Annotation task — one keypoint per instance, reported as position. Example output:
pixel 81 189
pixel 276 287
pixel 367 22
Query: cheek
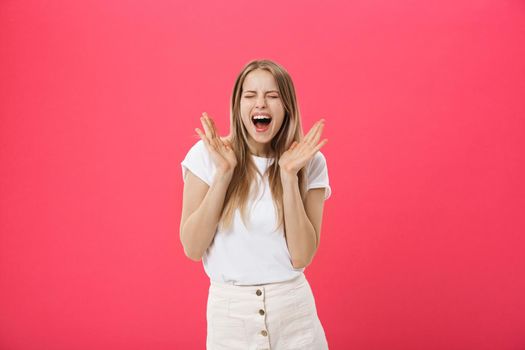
pixel 246 103
pixel 245 120
pixel 280 123
pixel 242 109
pixel 278 106
pixel 245 109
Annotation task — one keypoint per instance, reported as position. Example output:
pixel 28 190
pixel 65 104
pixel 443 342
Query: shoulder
pixel 318 174
pixel 199 152
pixel 317 161
pixel 199 145
pixel 199 162
pixel 197 149
pixel 317 171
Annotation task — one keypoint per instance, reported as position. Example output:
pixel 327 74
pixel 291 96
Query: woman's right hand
pixel 220 150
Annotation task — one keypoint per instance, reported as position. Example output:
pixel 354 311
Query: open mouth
pixel 261 122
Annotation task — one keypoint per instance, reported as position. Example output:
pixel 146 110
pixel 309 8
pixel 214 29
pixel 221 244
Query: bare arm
pixel 302 225
pixel 202 204
pixel 200 216
pixel 302 220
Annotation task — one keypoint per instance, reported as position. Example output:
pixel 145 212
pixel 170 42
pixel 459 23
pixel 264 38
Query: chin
pixel 262 139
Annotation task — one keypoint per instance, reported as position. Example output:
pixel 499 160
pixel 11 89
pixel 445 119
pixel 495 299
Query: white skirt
pixel 273 316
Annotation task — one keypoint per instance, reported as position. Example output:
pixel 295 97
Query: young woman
pixel 252 211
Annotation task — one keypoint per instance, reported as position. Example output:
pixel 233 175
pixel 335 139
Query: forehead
pixel 259 79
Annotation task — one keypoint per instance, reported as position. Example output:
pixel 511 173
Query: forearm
pixel 300 233
pixel 200 227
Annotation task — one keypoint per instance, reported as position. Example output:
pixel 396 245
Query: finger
pixel 294 144
pixel 311 134
pixel 210 141
pixel 216 135
pixel 318 133
pixel 202 136
pixel 306 137
pixel 222 142
pixel 207 124
pixel 211 125
pixel 206 128
pixel 215 139
pixel 318 147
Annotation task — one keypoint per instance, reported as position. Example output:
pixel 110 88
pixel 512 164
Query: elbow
pixel 195 258
pixel 192 255
pixel 299 264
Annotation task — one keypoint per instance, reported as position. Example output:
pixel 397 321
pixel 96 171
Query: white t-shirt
pixel 258 254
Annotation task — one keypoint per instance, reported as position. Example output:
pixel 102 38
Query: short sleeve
pixel 318 174
pixel 199 162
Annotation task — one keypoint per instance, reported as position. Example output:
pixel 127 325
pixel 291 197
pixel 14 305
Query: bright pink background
pixel 422 244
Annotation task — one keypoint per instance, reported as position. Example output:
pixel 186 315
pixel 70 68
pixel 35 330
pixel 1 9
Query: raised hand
pixel 220 150
pixel 299 153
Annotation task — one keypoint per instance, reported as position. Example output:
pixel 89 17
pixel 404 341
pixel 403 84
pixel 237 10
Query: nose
pixel 261 101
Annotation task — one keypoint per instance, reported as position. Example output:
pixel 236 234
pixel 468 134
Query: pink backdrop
pixel 422 244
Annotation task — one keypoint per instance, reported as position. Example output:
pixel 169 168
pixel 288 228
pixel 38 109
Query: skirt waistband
pixel 231 290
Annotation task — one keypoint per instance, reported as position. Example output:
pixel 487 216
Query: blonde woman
pixel 252 211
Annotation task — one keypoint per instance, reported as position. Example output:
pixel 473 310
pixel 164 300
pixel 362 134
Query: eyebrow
pixel 266 91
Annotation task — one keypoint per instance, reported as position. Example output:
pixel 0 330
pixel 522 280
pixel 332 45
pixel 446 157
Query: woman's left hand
pixel 299 153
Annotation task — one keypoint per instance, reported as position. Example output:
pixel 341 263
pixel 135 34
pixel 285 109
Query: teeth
pixel 261 117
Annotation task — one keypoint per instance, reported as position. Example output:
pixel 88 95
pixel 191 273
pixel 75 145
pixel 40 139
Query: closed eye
pixel 254 96
pixel 271 96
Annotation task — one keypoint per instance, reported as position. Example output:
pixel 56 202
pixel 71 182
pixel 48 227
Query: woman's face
pixel 260 100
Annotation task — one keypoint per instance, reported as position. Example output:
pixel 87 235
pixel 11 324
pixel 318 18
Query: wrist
pixel 223 175
pixel 288 177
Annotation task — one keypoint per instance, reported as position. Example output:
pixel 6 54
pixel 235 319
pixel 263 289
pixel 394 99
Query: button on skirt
pixel 273 316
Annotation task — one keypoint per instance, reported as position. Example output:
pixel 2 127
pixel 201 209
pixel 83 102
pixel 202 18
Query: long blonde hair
pixel 245 172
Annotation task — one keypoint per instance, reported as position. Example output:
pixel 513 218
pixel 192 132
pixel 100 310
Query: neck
pixel 261 153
